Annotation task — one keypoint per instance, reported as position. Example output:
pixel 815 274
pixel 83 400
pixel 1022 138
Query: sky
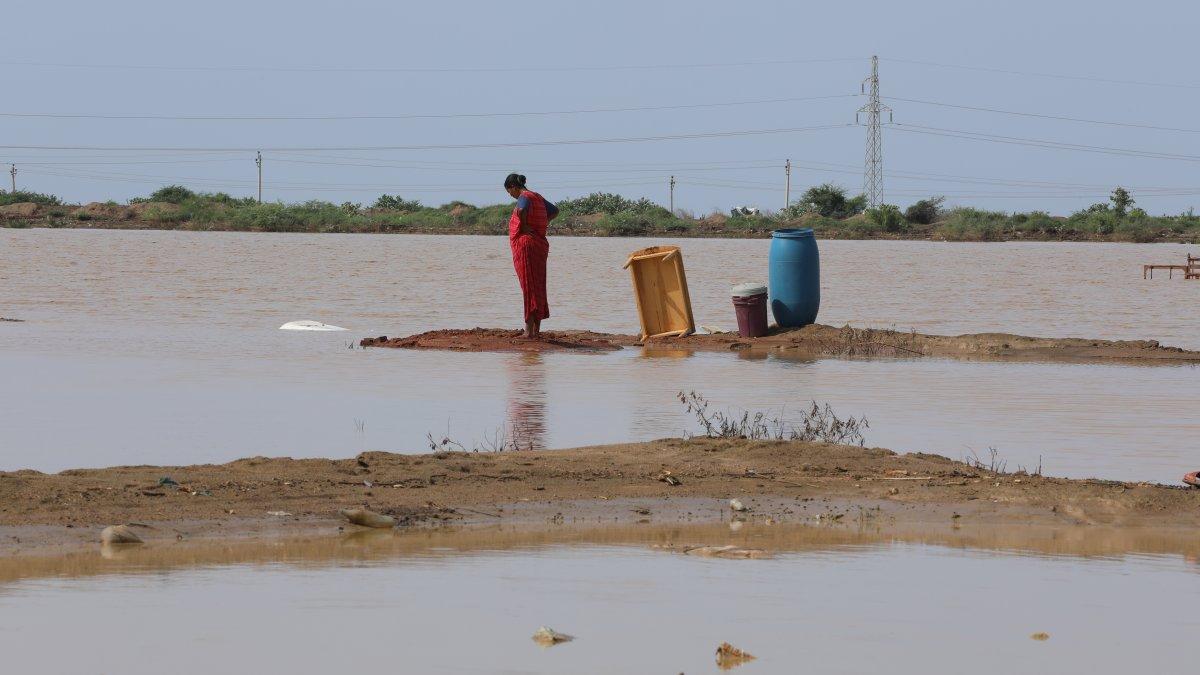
pixel 418 99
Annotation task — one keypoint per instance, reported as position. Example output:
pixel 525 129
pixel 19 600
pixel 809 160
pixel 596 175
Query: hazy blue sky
pixel 316 59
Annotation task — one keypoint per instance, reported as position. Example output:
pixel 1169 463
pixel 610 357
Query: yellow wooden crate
pixel 660 288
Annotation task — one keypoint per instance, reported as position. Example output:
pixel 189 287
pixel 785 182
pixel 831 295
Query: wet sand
pixel 810 342
pixel 786 482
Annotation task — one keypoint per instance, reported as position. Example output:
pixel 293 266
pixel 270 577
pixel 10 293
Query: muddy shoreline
pixel 815 341
pixel 780 482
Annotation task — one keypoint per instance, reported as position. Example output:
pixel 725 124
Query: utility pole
pixel 258 161
pixel 13 172
pixel 873 163
pixel 672 195
pixel 787 184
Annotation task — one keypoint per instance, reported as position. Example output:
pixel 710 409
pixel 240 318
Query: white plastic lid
pixel 747 290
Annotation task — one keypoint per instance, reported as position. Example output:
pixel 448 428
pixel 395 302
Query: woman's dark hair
pixel 514 180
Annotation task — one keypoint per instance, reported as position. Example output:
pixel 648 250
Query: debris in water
pixel 547 637
pixel 729 657
pixel 167 480
pixel 367 518
pixel 1040 637
pixel 668 478
pixel 641 511
pixel 737 505
pixel 729 551
pixel 308 325
pixel 278 513
pixel 119 534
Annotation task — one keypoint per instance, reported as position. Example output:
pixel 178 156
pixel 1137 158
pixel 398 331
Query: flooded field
pixel 836 601
pixel 162 347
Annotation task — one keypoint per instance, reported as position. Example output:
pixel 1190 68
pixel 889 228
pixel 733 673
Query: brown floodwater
pixel 830 600
pixel 163 347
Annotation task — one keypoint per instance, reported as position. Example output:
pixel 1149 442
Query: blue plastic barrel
pixel 794 277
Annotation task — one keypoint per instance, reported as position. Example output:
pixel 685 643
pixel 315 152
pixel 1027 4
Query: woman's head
pixel 514 183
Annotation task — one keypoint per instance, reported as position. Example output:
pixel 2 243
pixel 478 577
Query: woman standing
pixel 530 248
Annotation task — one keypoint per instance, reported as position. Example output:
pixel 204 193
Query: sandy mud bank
pixel 783 481
pixel 811 342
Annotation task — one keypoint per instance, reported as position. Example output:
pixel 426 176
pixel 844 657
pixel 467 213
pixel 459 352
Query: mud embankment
pixel 816 341
pixel 781 481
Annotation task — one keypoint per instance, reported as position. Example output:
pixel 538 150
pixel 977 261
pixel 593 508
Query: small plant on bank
pixel 994 464
pixel 506 438
pixel 819 423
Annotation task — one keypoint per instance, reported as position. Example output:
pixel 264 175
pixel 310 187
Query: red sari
pixel 530 251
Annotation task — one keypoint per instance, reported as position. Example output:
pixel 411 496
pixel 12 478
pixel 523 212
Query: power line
pixel 1057 76
pixel 326 187
pixel 449 146
pixel 1064 118
pixel 1039 143
pixel 414 116
pixel 421 69
pixel 753 167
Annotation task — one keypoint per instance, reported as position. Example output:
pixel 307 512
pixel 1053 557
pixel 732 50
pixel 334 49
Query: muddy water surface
pixel 829 601
pixel 162 347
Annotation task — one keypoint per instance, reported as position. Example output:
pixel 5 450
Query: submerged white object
pixel 308 325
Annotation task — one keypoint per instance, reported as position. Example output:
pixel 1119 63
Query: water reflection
pixel 526 400
pixel 386 547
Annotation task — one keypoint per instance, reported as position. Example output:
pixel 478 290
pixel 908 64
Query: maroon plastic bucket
pixel 750 304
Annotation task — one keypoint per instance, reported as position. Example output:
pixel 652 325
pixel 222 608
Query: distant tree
pixel 925 211
pixel 1121 200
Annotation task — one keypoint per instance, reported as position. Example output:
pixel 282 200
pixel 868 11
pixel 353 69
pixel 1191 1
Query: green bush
pixel 625 224
pixel 605 202
pixel 827 200
pixel 1035 223
pixel 968 224
pixel 158 214
pixel 888 218
pixel 925 211
pixel 396 203
pixel 22 196
pixel 175 194
pixel 311 216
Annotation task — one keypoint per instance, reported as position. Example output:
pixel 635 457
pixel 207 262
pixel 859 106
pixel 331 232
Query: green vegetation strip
pixel 825 208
